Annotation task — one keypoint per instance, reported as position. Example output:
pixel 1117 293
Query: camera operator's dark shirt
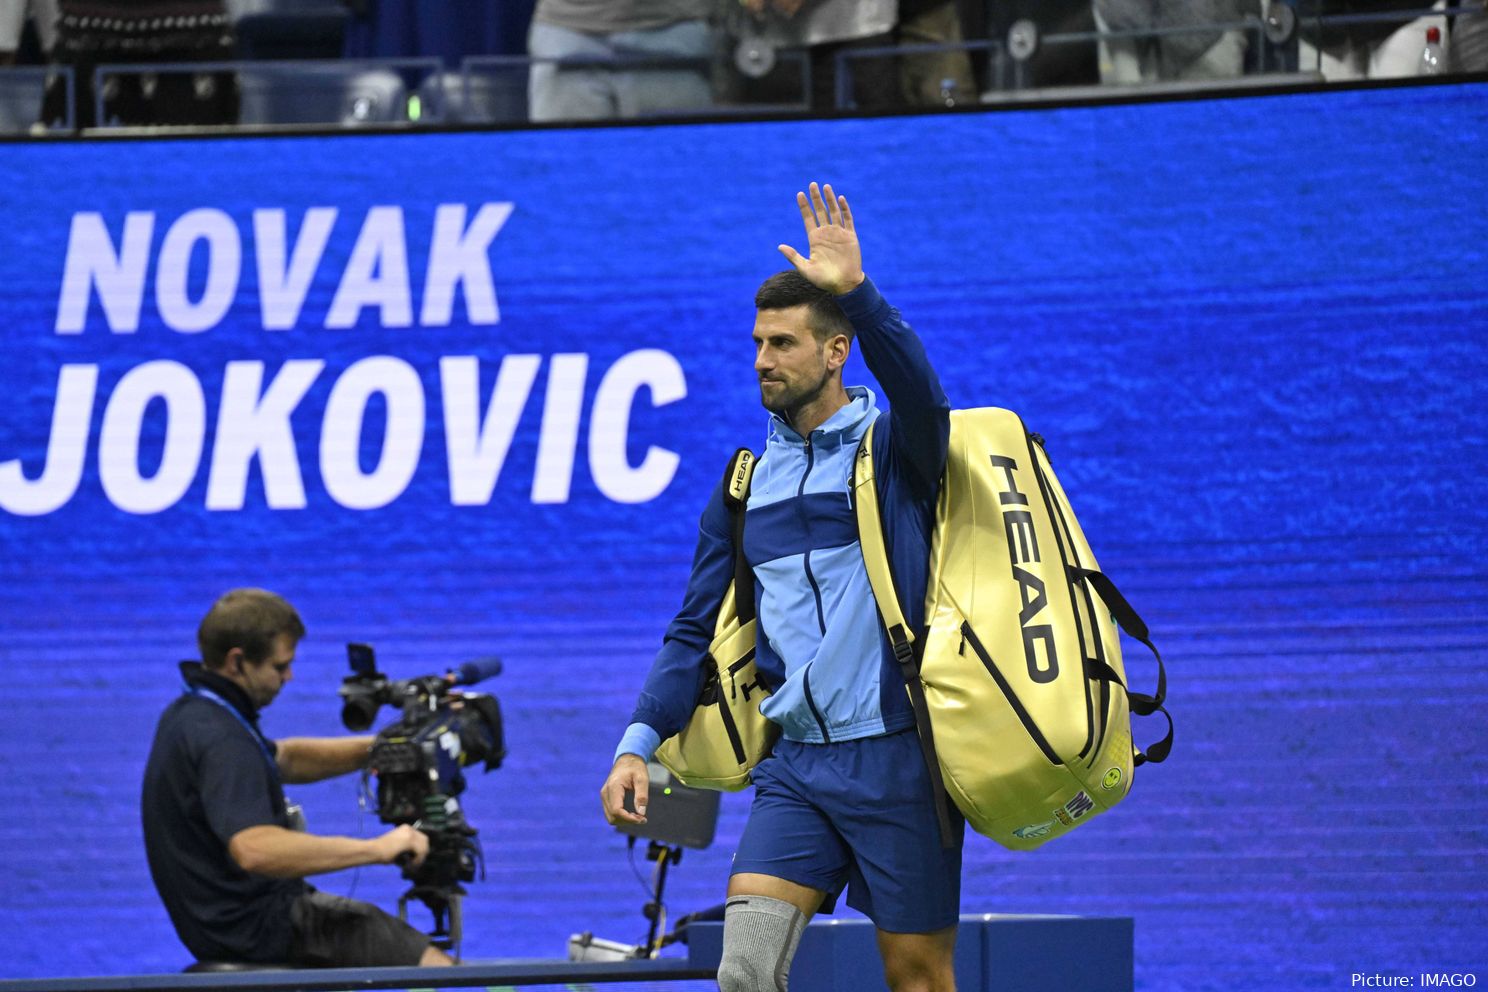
pixel 207 778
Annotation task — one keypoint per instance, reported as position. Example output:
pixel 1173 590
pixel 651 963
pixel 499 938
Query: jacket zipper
pixel 1007 690
pixel 806 684
pixel 821 616
pixel 821 619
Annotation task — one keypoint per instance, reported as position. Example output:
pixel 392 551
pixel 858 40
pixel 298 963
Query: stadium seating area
pixel 304 63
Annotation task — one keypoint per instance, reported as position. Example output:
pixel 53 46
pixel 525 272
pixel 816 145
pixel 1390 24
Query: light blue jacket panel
pixel 822 649
pixel 815 605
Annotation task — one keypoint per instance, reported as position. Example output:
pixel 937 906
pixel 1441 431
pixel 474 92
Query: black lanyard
pixel 258 738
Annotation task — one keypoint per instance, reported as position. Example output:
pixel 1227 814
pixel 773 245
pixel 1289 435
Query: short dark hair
pixel 251 619
pixel 789 289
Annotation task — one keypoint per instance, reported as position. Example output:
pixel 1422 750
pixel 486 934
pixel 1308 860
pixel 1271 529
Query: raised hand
pixel 835 261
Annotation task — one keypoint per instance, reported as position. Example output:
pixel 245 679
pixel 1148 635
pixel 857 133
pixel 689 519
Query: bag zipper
pixel 1094 739
pixel 729 727
pixel 738 666
pixel 1061 531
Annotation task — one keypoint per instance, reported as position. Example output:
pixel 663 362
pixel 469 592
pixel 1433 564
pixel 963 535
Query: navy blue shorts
pixel 857 814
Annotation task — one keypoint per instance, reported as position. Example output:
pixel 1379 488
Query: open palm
pixel 834 259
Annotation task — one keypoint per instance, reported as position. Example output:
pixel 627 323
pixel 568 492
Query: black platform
pixel 544 971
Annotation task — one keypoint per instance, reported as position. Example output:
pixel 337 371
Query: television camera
pixel 418 762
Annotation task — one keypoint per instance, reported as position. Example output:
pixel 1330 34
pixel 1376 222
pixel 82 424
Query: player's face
pixel 790 362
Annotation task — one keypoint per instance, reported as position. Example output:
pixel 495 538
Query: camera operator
pixel 225 850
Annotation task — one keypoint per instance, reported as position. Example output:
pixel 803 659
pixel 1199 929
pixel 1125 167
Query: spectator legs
pixel 580 93
pixel 1398 54
pixel 924 79
pixel 1126 61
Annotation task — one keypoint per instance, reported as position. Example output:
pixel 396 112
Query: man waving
pixel 845 800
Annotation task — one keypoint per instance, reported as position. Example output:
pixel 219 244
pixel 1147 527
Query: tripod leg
pixel 456 927
pixel 665 856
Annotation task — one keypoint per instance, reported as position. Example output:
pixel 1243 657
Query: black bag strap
pixel 909 668
pixel 873 540
pixel 736 499
pixel 1141 704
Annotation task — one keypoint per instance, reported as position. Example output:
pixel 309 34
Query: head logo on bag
pixel 1026 562
pixel 1019 668
pixel 736 485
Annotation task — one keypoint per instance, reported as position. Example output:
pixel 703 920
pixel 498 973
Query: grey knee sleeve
pixel 760 935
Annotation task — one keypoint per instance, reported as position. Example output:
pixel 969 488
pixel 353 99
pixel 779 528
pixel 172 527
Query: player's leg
pixel 789 858
pixel 763 919
pixel 903 876
pixel 919 962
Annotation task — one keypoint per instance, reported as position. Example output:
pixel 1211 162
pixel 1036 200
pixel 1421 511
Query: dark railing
pixel 473 975
pixel 493 90
pixel 341 92
pixel 22 90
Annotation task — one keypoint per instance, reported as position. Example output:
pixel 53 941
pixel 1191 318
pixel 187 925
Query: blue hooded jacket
pixel 822 648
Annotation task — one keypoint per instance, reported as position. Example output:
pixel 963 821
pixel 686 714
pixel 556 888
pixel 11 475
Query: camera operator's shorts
pixel 334 932
pixel 859 814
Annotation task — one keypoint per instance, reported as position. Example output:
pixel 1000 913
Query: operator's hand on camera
pixel 404 840
pixel 628 775
pixel 834 259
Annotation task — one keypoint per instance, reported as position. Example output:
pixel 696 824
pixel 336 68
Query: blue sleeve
pixel 639 740
pixel 676 677
pixel 919 412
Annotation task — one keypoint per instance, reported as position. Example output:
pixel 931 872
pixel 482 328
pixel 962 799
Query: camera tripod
pixel 665 855
pixel 445 902
pixel 454 855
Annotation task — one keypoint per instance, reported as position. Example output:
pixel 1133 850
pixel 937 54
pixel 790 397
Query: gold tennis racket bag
pixel 727 735
pixel 1017 681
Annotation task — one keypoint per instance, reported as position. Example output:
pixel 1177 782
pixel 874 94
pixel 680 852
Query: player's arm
pixel 670 693
pixel 918 409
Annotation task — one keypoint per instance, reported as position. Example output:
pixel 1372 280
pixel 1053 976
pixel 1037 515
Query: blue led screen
pixel 463 394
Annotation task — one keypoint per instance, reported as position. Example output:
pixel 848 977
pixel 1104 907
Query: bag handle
pixel 874 545
pixel 1141 704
